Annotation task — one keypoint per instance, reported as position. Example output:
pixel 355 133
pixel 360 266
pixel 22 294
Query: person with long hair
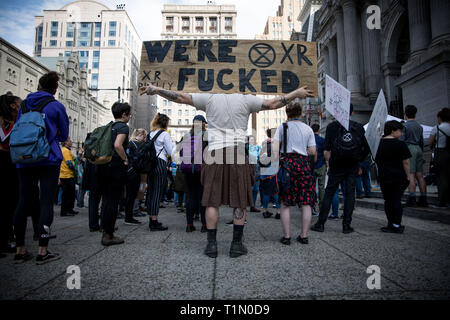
pixel 9 188
pixel 299 143
pixel 157 180
pixel 134 176
pixel 225 180
pixel 44 173
pixel 191 154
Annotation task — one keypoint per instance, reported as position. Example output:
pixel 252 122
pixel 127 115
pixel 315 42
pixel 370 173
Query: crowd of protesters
pixel 213 165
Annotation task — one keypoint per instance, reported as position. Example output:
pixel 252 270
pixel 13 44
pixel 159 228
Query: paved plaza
pixel 171 265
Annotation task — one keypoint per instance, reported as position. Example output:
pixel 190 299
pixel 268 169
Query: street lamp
pixel 119 89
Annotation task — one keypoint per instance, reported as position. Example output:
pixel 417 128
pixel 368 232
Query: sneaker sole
pixel 132 224
pixel 48 260
pixel 237 254
pixel 112 244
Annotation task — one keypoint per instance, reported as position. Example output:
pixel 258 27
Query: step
pixel 429 213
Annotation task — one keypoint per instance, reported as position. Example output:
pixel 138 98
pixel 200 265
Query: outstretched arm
pixel 281 101
pixel 174 96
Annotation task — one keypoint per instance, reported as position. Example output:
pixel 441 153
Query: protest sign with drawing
pixel 337 101
pixel 375 129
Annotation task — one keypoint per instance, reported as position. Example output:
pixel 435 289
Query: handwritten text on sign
pixel 337 101
pixel 229 66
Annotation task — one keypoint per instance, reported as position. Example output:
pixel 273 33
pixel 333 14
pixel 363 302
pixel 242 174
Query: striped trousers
pixel 156 187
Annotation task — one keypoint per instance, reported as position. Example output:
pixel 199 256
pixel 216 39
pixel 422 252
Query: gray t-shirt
pixel 299 137
pixel 227 116
pixel 441 139
pixel 413 133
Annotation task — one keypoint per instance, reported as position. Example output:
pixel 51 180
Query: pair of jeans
pixel 255 189
pixel 95 197
pixel 266 199
pixel 132 190
pixel 392 194
pixel 194 198
pixel 80 198
pixel 46 177
pixel 68 195
pixel 335 204
pixel 180 199
pixel 320 175
pixel 112 179
pixel 364 181
pixel 336 176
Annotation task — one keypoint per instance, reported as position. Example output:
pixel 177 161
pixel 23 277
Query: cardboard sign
pixel 142 187
pixel 337 101
pixel 375 128
pixel 229 66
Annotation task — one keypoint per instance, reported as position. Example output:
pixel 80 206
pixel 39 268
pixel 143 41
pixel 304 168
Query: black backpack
pixel 348 145
pixel 145 157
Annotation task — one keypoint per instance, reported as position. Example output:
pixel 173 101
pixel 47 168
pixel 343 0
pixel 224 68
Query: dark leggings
pixel 68 195
pixel 133 184
pixel 392 194
pixel 29 178
pixel 9 193
pixel 194 198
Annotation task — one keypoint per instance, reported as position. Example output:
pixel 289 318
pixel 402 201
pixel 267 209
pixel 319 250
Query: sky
pixel 17 17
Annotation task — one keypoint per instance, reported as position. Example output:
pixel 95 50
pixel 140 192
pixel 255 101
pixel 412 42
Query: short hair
pixel 444 114
pixel 410 111
pixel 269 133
pixel 49 82
pixel 351 108
pixel 137 132
pixel 315 127
pixel 294 109
pixel 119 108
pixel 391 126
pixel 160 121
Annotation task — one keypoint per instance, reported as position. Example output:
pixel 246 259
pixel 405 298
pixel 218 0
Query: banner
pixel 375 127
pixel 229 66
pixel 337 101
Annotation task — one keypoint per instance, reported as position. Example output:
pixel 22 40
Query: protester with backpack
pixel 297 143
pixel 191 155
pixel 440 140
pixel 113 175
pixel 9 188
pixel 162 148
pixel 344 150
pixel 40 163
pixel 133 176
pixel 67 178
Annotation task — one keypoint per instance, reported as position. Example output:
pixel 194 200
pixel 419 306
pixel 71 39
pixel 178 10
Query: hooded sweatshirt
pixel 57 127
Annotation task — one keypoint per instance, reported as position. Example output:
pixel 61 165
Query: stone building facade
pixel 20 73
pixel 409 57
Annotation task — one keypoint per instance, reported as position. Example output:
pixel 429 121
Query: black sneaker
pixel 158 227
pixel 333 217
pixel 411 202
pixel 278 216
pixel 267 214
pixel 190 229
pixel 132 222
pixel 230 222
pixel 204 229
pixel 347 229
pixel 392 229
pixel 21 258
pixel 285 241
pixel 318 227
pixel 302 240
pixel 49 257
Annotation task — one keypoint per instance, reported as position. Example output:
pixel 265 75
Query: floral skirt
pixel 302 191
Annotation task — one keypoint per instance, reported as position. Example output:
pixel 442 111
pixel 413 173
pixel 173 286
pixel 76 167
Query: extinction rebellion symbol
pixel 262 55
pixel 347 137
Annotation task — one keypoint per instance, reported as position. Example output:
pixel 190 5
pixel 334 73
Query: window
pixel 96 53
pixel 165 102
pixel 84 65
pixel 54 29
pixel 185 24
pixel 95 65
pixel 54 33
pixel 84 25
pixel 69 34
pixel 112 43
pixel 98 30
pixel 180 113
pixel 98 34
pixel 186 112
pixel 83 34
pixel 199 25
pixel 69 43
pixel 53 43
pixel 112 24
pixel 169 24
pixel 213 24
pixel 179 121
pixel 112 33
pixel 67 53
pixel 96 43
pixel 228 24
pixel 54 24
pixel 169 112
pixel 83 44
pixel 186 122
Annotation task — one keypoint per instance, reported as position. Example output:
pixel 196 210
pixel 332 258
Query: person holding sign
pixel 344 150
pixel 226 181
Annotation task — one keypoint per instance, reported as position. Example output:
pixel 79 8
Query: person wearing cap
pixel 192 146
pixel 225 180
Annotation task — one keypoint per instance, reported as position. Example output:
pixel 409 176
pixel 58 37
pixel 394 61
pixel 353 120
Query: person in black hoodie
pixel 133 176
pixel 392 160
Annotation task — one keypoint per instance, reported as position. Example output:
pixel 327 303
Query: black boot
pixel 411 202
pixel 422 202
pixel 157 226
pixel 211 247
pixel 237 247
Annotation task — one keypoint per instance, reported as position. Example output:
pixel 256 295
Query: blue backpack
pixel 29 142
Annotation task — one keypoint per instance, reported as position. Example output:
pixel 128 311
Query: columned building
pixel 209 21
pixel 106 42
pixel 20 74
pixel 409 58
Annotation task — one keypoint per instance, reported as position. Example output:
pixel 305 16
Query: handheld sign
pixel 375 128
pixel 337 101
pixel 229 66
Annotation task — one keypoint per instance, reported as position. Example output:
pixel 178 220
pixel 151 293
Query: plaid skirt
pixel 302 191
pixel 229 183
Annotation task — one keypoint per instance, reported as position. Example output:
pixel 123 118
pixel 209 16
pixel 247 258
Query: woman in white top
pixel 302 191
pixel 157 181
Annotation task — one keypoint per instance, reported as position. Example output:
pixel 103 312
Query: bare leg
pixel 422 183
pixel 412 183
pixel 212 215
pixel 239 216
pixel 306 220
pixel 285 220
